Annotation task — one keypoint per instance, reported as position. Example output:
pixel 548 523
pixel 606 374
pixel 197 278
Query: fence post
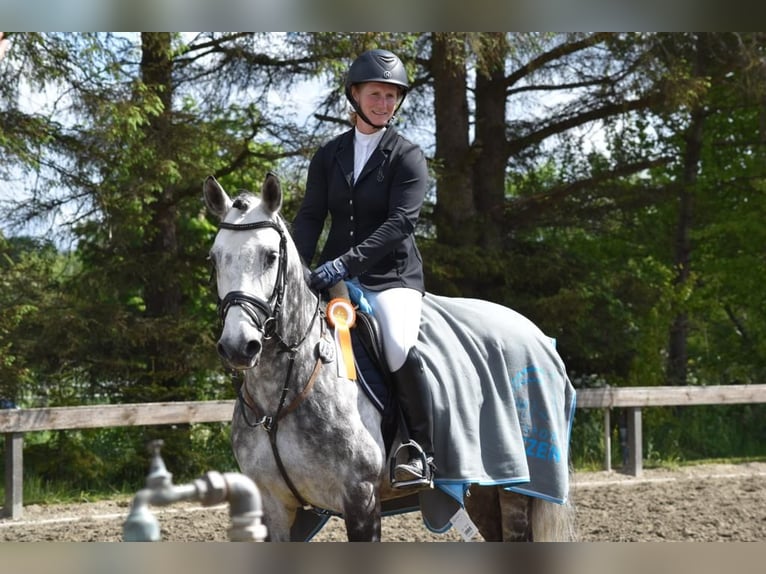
pixel 607 439
pixel 635 442
pixel 14 473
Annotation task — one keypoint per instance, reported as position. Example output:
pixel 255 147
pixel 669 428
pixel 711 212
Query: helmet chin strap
pixel 369 123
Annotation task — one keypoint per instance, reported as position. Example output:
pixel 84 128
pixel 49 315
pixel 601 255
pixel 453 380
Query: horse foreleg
pixel 277 518
pixel 361 513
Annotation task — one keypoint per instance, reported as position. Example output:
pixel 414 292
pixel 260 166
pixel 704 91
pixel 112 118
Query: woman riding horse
pixel 372 182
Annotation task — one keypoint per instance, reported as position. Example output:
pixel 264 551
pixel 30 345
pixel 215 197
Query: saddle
pixel 373 374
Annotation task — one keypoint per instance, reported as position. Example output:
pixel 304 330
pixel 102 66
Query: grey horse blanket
pixel 503 407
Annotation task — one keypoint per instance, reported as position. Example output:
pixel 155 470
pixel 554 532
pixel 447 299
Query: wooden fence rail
pixel 15 422
pixel 632 399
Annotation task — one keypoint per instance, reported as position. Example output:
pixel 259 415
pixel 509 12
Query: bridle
pixel 263 313
pixel 265 316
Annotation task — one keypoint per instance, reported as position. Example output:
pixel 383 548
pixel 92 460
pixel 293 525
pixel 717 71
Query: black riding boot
pixel 414 396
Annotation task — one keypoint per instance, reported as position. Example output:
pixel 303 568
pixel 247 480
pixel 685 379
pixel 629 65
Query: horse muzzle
pixel 240 343
pixel 240 357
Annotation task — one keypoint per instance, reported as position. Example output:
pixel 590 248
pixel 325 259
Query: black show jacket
pixel 372 219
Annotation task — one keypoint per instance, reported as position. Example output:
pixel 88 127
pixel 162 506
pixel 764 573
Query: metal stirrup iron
pixel 427 463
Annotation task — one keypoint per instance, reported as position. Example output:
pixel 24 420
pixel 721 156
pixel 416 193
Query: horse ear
pixel 216 199
pixel 271 193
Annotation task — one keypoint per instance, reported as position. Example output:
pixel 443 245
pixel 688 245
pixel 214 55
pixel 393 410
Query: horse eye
pixel 271 258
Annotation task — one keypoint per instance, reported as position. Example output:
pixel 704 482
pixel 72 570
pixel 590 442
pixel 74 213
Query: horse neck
pixel 299 306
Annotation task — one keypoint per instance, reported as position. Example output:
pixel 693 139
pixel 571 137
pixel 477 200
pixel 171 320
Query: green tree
pixel 31 273
pixel 139 122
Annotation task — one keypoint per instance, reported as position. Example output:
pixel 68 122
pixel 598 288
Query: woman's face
pixel 377 101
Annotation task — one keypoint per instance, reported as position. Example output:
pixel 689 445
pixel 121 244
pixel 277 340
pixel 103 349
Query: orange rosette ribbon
pixel 342 316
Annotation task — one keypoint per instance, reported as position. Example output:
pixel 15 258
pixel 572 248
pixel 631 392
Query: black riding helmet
pixel 376 66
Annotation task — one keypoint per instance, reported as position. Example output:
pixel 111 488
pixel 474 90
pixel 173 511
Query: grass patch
pixel 728 460
pixel 672 464
pixel 40 491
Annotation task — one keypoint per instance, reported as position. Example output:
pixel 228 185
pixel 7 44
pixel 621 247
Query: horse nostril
pixel 252 349
pixel 239 354
pixel 221 348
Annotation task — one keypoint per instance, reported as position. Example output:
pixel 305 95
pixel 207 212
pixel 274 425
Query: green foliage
pixel 32 272
pixel 673 435
pixel 703 432
pixel 586 446
pixel 67 465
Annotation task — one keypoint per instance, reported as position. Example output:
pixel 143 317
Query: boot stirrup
pixel 428 468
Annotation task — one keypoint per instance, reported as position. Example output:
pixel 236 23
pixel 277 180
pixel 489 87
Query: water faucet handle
pixel 155 446
pixel 158 476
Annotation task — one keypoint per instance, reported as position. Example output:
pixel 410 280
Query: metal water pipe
pixel 243 496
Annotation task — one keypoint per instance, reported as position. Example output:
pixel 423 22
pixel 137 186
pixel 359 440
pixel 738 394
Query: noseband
pixel 262 313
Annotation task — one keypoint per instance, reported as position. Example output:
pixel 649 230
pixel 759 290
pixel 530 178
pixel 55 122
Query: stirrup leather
pixel 427 463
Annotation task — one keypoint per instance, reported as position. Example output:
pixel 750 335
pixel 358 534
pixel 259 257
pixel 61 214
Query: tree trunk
pixel 162 292
pixel 455 211
pixel 489 143
pixel 677 365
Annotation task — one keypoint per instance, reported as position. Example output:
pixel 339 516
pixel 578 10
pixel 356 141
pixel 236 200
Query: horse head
pixel 250 259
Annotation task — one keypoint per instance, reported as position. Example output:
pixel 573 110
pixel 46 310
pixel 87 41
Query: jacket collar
pixel 345 154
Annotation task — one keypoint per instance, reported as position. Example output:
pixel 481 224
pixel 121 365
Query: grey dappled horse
pixel 305 436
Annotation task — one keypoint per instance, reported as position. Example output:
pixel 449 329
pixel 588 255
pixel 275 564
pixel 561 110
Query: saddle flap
pixel 367 331
pixel 375 377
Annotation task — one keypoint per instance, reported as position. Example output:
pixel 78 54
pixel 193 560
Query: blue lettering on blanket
pixel 541 449
pixel 540 440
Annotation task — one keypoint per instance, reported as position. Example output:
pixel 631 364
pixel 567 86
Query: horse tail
pixel 552 522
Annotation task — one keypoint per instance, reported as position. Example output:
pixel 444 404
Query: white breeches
pixel 397 311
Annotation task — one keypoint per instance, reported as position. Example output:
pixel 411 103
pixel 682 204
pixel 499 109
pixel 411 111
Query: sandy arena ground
pixel 705 503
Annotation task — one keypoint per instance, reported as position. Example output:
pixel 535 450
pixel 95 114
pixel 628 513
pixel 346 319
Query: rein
pixel 269 423
pixel 264 315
